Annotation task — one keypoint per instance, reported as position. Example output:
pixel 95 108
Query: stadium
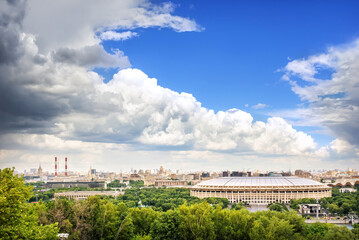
pixel 261 190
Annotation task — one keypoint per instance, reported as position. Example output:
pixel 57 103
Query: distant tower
pixel 39 170
pixel 65 166
pixel 89 172
pixel 55 166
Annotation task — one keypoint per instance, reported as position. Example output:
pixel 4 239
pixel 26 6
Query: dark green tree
pixel 166 226
pixel 142 220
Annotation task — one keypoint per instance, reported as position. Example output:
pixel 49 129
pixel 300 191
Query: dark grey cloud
pixel 341 117
pixel 25 109
pixel 28 100
pixel 20 107
pixel 12 13
pixel 91 56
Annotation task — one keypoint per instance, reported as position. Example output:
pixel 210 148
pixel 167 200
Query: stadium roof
pixel 258 181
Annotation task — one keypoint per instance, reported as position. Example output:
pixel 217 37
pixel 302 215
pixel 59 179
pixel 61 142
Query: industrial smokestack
pixel 55 166
pixel 65 166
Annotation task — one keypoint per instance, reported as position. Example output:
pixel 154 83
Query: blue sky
pixel 234 60
pixel 110 83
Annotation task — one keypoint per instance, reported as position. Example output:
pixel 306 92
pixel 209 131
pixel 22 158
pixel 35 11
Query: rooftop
pixel 260 181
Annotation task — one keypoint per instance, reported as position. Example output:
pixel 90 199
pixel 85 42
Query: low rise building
pixel 85 194
pixel 301 173
pixel 343 190
pixel 160 183
pixel 76 184
pixel 311 209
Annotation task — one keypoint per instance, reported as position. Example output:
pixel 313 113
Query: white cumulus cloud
pixel 117 36
pixel 260 106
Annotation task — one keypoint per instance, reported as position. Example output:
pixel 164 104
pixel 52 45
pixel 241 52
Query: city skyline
pixel 61 170
pixel 191 85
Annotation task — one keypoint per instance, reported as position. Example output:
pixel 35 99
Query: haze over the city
pixel 190 85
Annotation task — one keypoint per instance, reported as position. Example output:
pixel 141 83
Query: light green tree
pixel 336 232
pixel 17 218
pixel 196 222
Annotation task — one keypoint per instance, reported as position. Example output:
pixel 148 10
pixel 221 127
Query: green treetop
pixel 17 220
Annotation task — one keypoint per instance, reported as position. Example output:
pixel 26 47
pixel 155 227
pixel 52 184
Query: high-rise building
pixel 39 170
pixel 205 174
pixel 162 170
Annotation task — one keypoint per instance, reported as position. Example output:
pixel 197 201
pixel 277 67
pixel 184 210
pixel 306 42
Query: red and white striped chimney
pixel 66 166
pixel 55 166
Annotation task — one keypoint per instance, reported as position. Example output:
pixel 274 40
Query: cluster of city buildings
pixel 252 187
pixel 166 177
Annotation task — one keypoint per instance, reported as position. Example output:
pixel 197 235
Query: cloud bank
pixel 51 100
pixel 328 84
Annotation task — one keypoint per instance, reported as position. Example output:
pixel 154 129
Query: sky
pixel 190 85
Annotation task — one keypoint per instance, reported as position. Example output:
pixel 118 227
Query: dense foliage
pixel 96 218
pixel 136 184
pixel 163 199
pixel 341 203
pixel 279 207
pixel 18 220
pixel 116 184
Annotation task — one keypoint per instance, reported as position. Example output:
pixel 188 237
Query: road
pixel 333 221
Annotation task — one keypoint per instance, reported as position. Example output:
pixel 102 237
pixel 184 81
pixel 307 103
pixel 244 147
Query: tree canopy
pixel 18 220
pixel 150 213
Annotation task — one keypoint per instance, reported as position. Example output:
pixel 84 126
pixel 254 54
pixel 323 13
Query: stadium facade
pixel 261 190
